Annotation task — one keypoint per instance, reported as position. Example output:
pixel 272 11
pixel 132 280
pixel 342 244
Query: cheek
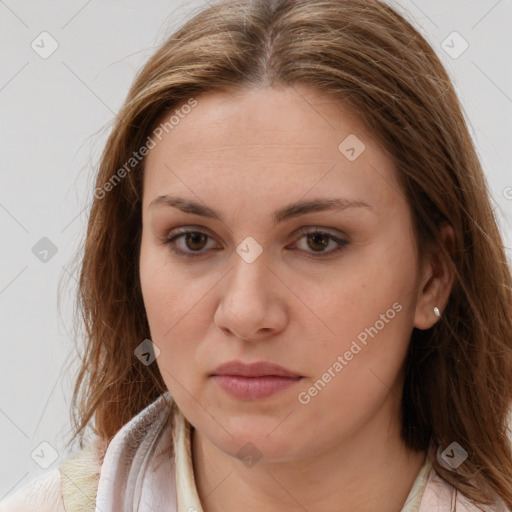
pixel 356 371
pixel 362 295
pixel 165 291
pixel 174 310
pixel 367 320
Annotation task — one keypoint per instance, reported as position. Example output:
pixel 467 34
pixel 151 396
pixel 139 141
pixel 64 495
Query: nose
pixel 252 303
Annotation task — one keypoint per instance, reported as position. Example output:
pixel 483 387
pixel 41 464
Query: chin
pixel 251 439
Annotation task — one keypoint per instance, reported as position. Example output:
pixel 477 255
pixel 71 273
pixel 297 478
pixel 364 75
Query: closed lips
pixel 257 369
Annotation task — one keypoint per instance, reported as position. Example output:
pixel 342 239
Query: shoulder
pixel 42 494
pixel 80 476
pixel 95 476
pixel 62 489
pixel 440 496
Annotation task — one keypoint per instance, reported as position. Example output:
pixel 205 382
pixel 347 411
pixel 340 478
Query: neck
pixel 371 470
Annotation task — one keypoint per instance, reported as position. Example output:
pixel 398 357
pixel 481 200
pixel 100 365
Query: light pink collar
pixel 138 468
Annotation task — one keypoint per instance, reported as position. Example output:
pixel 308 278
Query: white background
pixel 55 115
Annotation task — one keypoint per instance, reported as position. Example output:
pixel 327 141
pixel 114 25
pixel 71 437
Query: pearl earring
pixel 436 311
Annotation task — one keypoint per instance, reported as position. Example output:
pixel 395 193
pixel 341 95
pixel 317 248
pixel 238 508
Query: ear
pixel 435 283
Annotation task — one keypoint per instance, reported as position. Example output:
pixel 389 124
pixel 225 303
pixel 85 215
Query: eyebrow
pixel 288 212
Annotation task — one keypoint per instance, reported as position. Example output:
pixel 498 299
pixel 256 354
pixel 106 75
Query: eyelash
pixel 303 231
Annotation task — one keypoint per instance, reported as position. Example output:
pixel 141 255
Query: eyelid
pixel 302 230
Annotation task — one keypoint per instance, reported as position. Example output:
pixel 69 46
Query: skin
pixel 247 155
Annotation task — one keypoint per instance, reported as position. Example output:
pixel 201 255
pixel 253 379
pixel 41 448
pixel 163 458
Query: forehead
pixel 269 141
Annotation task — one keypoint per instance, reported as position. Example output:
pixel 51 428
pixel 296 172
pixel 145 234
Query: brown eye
pixel 195 241
pixel 319 241
pixel 193 245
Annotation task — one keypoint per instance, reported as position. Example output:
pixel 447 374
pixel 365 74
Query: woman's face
pixel 255 283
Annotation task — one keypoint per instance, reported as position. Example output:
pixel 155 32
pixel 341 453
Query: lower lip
pixel 254 388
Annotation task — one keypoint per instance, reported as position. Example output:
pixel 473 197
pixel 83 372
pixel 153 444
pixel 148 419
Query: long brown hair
pixel 458 374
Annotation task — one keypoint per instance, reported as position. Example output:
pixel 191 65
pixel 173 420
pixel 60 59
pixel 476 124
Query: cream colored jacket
pixel 135 473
